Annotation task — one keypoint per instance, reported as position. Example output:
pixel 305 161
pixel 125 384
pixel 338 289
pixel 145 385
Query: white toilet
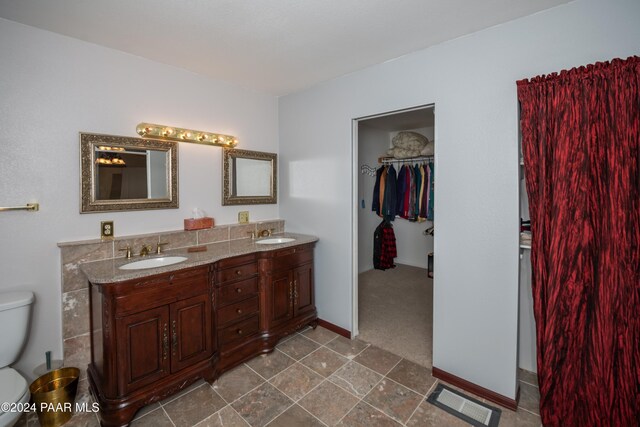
pixel 15 310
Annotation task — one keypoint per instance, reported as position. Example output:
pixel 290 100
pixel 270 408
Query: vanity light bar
pixel 149 130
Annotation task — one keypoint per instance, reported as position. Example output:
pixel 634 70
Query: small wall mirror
pixel 249 177
pixel 121 174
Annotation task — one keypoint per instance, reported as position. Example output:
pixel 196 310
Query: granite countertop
pixel 107 271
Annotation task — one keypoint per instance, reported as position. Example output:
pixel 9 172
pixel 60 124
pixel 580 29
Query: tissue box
pixel 198 223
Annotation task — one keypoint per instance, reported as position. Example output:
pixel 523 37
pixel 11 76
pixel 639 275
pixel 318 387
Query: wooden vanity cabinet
pixel 287 276
pixel 152 337
pixel 260 299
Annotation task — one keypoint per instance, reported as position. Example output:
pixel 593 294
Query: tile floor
pixel 316 378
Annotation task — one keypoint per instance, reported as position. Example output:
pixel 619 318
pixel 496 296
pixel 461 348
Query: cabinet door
pixel 191 336
pixel 281 298
pixel 303 289
pixel 143 348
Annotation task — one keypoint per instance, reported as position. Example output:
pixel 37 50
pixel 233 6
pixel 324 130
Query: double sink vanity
pixel 160 323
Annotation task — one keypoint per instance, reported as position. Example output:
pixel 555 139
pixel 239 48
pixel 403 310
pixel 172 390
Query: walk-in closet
pixel 396 228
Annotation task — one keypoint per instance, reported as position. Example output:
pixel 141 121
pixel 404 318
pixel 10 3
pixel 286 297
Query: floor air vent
pixel 464 407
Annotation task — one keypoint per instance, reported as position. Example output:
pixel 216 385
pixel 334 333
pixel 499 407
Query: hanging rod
pixel 388 160
pixel 28 207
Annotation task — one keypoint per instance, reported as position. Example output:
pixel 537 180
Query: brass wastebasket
pixel 54 394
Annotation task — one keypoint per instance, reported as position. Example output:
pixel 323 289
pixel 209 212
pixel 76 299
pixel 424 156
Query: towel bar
pixel 28 207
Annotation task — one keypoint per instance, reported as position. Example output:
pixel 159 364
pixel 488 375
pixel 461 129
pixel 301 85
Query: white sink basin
pixel 275 240
pixel 153 262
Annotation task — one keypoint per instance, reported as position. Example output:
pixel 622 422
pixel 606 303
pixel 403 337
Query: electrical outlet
pixel 106 230
pixel 243 217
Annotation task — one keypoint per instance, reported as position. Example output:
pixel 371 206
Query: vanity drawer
pixel 235 261
pixel 161 290
pixel 237 291
pixel 238 310
pixel 239 330
pixel 286 258
pixel 236 273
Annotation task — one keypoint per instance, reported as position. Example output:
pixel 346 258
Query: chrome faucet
pixel 146 249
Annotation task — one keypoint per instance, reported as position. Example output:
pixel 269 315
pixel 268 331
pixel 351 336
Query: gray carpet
pixel 395 311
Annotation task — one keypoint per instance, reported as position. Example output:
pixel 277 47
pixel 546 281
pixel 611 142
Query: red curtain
pixel 580 140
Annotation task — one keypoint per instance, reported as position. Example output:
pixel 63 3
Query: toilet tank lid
pixel 15 299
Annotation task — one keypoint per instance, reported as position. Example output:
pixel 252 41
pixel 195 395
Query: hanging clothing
pixel 401 190
pixel 422 211
pixel 424 197
pixel 389 202
pixel 375 204
pixel 431 190
pixel 384 246
pixel 383 183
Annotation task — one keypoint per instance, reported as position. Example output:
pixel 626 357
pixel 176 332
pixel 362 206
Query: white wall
pixel 52 87
pixel 372 143
pixel 471 80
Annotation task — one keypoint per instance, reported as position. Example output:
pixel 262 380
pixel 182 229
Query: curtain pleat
pixel 581 146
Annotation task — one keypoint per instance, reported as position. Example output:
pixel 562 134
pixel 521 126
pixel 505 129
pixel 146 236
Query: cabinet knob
pixel 239 290
pixel 239 331
pixel 239 272
pixel 239 311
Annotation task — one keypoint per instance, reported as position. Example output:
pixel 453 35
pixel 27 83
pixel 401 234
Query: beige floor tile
pixel 80 419
pixel 411 375
pixel 320 335
pixel 346 347
pixel 529 398
pixel 295 416
pixel 324 361
pixel 146 409
pixel 394 400
pixel 298 347
pixel 520 418
pixel 182 392
pixel 328 402
pixel 155 418
pixel 296 381
pixel 193 407
pixel 237 382
pixel 225 417
pixel 270 364
pixel 356 379
pixel 364 415
pixel 377 359
pixel 262 405
pixel 528 377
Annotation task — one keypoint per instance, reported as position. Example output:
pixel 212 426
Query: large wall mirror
pixel 249 177
pixel 121 174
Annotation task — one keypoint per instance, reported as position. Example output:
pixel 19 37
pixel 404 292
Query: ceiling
pixel 275 46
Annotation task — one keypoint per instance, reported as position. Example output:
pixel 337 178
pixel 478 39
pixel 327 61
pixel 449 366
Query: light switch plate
pixel 106 230
pixel 243 217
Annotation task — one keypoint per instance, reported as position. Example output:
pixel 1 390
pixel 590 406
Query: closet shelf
pixel 385 160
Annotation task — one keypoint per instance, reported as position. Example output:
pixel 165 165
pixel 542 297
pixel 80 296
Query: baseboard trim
pixel 334 328
pixel 477 390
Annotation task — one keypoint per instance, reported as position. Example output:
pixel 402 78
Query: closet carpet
pixel 395 311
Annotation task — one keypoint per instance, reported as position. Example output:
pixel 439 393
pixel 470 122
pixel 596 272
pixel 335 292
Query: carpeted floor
pixel 395 311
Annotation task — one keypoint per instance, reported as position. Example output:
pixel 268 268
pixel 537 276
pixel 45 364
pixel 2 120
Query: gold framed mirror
pixel 121 174
pixel 249 177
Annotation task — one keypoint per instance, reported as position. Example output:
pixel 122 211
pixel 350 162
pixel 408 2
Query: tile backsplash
pixel 75 290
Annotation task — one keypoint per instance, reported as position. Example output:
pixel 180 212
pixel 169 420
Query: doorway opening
pixel 393 306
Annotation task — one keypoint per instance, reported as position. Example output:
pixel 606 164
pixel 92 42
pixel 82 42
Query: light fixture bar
pixel 149 130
